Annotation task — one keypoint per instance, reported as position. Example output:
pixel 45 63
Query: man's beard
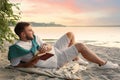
pixel 29 38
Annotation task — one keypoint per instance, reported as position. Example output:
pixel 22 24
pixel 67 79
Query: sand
pixel 92 73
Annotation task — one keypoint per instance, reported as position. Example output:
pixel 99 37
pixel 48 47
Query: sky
pixel 71 12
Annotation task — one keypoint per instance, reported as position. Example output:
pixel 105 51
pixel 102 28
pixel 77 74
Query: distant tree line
pixel 51 24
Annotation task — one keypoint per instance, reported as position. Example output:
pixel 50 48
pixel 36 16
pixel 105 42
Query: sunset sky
pixel 71 12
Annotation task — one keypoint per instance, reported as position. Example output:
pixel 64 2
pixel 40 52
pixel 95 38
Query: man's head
pixel 24 30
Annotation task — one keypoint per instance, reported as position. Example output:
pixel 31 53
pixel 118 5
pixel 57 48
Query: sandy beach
pixel 92 73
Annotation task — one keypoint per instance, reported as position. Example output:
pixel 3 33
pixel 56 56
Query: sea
pixel 100 36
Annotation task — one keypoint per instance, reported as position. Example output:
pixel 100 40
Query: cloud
pixel 71 12
pixel 49 6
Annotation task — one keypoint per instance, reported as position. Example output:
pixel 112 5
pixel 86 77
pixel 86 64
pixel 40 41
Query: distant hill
pixel 51 24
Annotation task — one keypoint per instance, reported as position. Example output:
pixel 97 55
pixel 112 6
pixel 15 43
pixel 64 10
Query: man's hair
pixel 20 26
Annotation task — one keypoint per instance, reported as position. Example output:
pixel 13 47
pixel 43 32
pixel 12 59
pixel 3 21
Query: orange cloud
pixel 46 6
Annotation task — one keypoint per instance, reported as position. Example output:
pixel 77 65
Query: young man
pixel 22 53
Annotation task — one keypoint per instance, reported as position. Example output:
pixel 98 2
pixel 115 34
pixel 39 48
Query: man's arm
pixel 45 48
pixel 31 63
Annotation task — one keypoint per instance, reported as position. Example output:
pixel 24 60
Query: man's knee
pixel 80 46
pixel 70 35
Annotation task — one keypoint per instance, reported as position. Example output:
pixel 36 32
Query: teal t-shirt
pixel 17 51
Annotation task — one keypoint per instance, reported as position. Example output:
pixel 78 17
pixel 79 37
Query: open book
pixel 47 55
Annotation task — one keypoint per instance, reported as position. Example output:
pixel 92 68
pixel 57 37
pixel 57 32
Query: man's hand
pixel 45 48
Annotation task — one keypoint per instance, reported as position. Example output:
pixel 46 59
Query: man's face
pixel 28 33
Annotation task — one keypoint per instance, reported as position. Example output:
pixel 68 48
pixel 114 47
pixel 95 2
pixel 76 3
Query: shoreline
pixel 111 44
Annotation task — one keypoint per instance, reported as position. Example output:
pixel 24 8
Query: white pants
pixel 64 53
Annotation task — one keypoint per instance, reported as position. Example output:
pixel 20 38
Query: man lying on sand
pixel 64 50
